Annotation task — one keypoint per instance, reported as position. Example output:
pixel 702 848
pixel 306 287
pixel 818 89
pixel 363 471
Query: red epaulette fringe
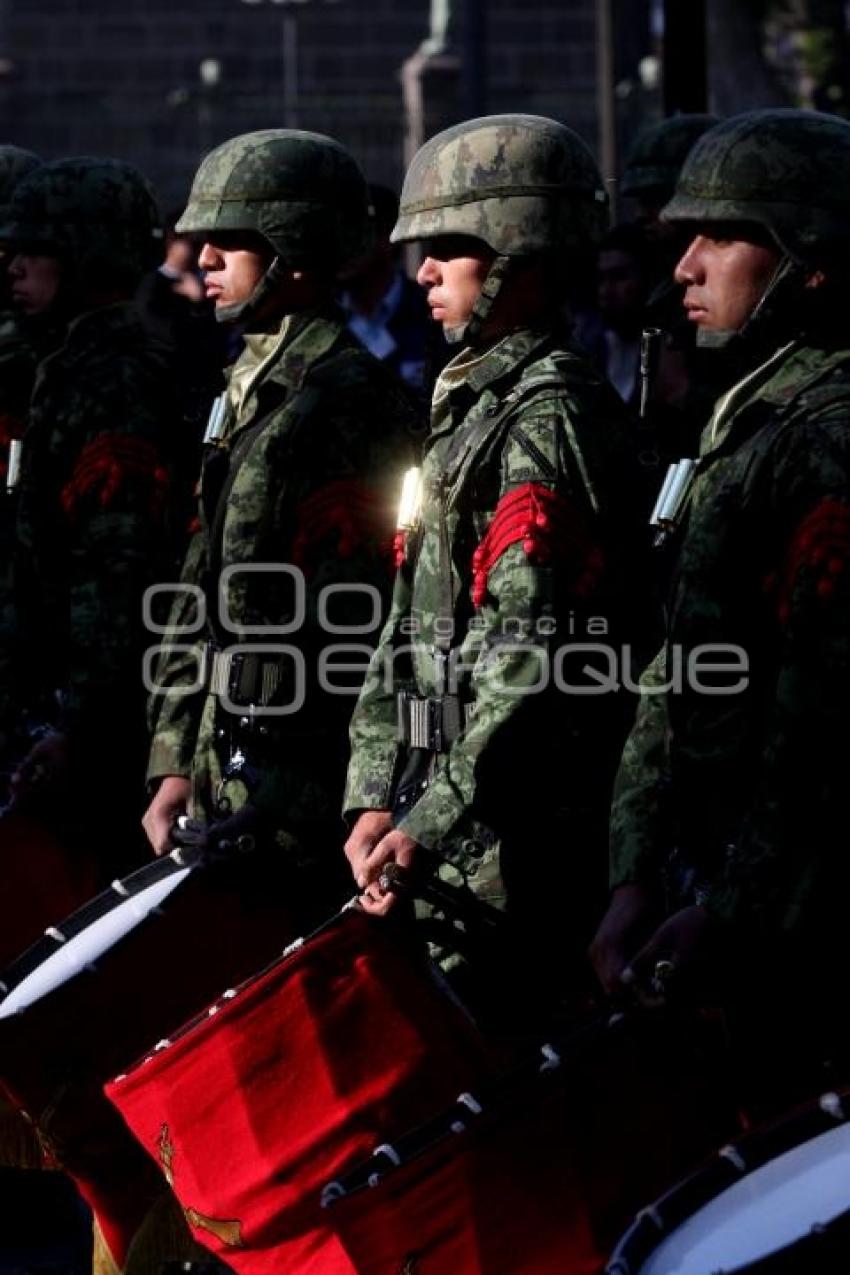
pixel 104 466
pixel 820 544
pixel 346 509
pixel 552 532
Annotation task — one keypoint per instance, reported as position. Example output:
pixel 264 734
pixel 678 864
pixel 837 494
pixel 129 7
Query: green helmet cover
pixel 522 184
pixel 659 151
pixel 96 214
pixel 786 170
pixel 303 192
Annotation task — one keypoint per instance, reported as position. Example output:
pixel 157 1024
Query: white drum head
pixel 764 1212
pixel 83 950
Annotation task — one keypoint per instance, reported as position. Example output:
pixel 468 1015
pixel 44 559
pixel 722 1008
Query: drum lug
pixel 734 1157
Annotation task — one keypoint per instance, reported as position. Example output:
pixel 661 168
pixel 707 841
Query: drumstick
pixel 452 898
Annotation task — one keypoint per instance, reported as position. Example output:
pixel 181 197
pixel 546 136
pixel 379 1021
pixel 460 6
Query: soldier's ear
pixel 816 279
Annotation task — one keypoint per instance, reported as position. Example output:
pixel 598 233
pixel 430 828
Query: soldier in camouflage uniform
pixel 468 765
pixel 732 783
pixel 90 524
pixel 91 500
pixel 306 452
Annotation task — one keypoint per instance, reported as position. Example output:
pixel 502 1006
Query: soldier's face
pixel 725 271
pixel 35 281
pixel 453 271
pixel 233 265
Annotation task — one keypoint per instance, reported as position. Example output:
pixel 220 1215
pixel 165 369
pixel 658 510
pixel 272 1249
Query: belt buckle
pixel 435 725
pixel 236 663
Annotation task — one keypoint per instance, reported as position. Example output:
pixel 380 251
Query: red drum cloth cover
pixel 503 1198
pixel 304 1072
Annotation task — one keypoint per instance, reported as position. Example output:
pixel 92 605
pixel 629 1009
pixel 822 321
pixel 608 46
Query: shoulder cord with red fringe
pixel 106 464
pixel 820 544
pixel 347 510
pixel 551 530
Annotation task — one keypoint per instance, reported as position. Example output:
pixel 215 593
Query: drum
pixel 290 1078
pixel 337 1115
pixel 774 1202
pixel 121 971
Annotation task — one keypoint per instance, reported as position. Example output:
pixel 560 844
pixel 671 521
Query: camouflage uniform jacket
pixel 301 493
pixel 527 415
pixel 748 784
pixel 90 508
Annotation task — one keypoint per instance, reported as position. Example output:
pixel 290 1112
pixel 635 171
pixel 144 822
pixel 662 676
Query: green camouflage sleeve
pixel 637 837
pixel 374 723
pixel 785 858
pixel 176 697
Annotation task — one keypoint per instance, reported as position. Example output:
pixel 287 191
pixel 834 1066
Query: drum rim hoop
pixel 658 1220
pixel 87 914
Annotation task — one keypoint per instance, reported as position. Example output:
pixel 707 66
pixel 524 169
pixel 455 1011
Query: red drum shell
pixel 539 1181
pixel 42 879
pixel 306 1069
pixel 503 1198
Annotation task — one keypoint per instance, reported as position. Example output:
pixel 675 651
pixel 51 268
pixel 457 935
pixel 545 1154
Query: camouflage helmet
pixel 522 184
pixel 96 214
pixel 659 151
pixel 15 165
pixel 785 170
pixel 303 192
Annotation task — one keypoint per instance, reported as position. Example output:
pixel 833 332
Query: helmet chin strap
pixel 769 316
pixel 469 333
pixel 244 311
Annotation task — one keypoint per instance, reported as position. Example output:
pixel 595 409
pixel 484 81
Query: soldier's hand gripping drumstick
pixel 373 843
pixel 169 803
pixel 675 956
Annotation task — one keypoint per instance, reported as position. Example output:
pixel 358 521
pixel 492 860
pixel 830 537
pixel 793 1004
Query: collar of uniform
pixel 779 381
pixel 92 331
pixel 505 359
pixel 305 338
pixel 281 355
pixel 89 325
pixel 803 368
pixel 756 384
pixel 471 372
